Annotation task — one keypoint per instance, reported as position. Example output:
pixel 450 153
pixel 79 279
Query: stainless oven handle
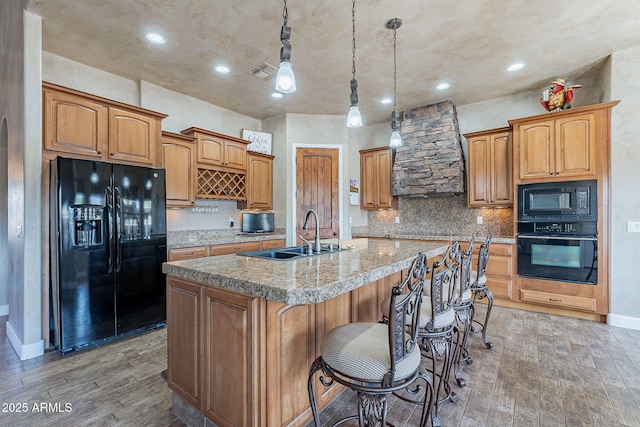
pixel 594 239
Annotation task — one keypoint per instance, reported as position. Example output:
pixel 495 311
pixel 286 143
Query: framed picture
pixel 260 141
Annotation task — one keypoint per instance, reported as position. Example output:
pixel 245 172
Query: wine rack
pixel 216 184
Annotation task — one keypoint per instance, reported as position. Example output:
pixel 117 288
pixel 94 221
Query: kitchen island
pixel 242 332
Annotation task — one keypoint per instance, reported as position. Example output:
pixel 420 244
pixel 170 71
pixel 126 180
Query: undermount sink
pixel 284 254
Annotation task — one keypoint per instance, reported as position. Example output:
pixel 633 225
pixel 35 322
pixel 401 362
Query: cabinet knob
pixel 99 151
pixel 112 154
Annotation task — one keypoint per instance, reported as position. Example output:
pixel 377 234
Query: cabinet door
pixel 537 153
pixel 231 375
pixel 73 124
pixel 235 155
pixel 501 170
pixel 575 145
pixel 369 181
pixel 133 137
pixel 179 160
pixel 385 166
pixel 479 165
pixel 259 183
pixel 210 150
pixel 184 371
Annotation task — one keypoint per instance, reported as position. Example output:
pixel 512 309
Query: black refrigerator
pixel 108 243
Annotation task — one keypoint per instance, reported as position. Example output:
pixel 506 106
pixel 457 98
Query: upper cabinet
pixel 88 126
pixel 218 150
pixel 561 145
pixel 376 166
pixel 259 182
pixel 490 168
pixel 179 162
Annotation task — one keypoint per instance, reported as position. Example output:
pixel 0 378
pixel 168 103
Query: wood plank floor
pixel 544 370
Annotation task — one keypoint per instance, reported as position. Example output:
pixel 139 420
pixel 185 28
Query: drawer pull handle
pixel 189 253
pixel 555 300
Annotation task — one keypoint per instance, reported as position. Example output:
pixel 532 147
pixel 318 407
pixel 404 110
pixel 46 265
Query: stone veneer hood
pixel 431 161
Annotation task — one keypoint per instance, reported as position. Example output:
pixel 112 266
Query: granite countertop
pixel 464 238
pixel 308 280
pixel 190 238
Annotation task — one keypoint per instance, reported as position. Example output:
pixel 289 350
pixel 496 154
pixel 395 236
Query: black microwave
pixel 558 201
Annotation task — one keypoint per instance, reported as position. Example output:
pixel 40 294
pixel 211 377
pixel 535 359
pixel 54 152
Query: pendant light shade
pixel 285 79
pixel 396 139
pixel 354 118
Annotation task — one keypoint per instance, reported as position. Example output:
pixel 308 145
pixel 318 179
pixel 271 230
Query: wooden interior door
pixel 317 188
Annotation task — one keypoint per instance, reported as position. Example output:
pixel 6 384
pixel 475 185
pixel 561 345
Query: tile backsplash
pixel 439 216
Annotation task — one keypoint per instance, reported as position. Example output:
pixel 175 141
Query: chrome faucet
pixel 339 229
pixel 316 243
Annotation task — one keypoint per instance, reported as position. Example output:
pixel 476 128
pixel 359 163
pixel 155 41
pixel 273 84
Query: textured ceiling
pixel 467 43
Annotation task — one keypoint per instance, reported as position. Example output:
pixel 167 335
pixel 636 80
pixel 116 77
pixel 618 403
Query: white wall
pixel 625 196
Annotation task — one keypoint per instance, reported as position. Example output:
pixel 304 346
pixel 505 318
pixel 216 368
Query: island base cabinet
pixel 244 361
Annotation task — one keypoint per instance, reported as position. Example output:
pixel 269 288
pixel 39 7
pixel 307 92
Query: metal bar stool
pixel 464 309
pixel 438 325
pixel 375 359
pixel 480 291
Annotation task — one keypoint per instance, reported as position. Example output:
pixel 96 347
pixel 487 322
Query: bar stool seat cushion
pixel 466 297
pixel 481 282
pixel 361 350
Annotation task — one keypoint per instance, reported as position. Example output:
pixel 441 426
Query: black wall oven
pixel 558 231
pixel 562 258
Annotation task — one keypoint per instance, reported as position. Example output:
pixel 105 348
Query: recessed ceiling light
pixel 222 69
pixel 443 86
pixel 155 38
pixel 515 67
pixel 277 95
pixel 386 101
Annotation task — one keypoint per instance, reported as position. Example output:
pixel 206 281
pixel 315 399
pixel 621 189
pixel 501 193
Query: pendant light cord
pixel 285 13
pixel 394 123
pixel 353 48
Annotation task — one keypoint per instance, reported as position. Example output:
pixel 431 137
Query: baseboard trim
pixel 623 321
pixel 4 310
pixel 24 351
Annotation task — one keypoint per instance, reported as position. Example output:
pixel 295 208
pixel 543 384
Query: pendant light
pixel 395 140
pixel 285 80
pixel 354 118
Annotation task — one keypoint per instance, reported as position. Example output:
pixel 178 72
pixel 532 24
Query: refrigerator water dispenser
pixel 87 225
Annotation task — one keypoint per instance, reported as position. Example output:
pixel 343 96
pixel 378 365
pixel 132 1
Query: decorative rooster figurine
pixel 558 97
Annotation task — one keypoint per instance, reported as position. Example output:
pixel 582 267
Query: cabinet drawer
pixel 272 244
pixel 500 286
pixel 500 266
pixel 558 300
pixel 188 253
pixel 234 248
pixel 500 249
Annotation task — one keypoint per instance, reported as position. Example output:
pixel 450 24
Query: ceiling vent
pixel 264 71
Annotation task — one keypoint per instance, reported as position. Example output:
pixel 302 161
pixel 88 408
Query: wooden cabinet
pixel 88 126
pixel 490 168
pixel 234 248
pixel 259 182
pixel 188 253
pixel 184 339
pixel 179 162
pixel 567 145
pixel 500 269
pixel 375 177
pixel 272 244
pixel 564 145
pixel 218 150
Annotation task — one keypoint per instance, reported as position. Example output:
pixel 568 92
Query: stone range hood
pixel 430 163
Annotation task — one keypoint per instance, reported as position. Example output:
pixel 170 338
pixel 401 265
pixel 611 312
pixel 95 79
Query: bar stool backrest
pixel 483 256
pixel 464 282
pixel 444 275
pixel 404 313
